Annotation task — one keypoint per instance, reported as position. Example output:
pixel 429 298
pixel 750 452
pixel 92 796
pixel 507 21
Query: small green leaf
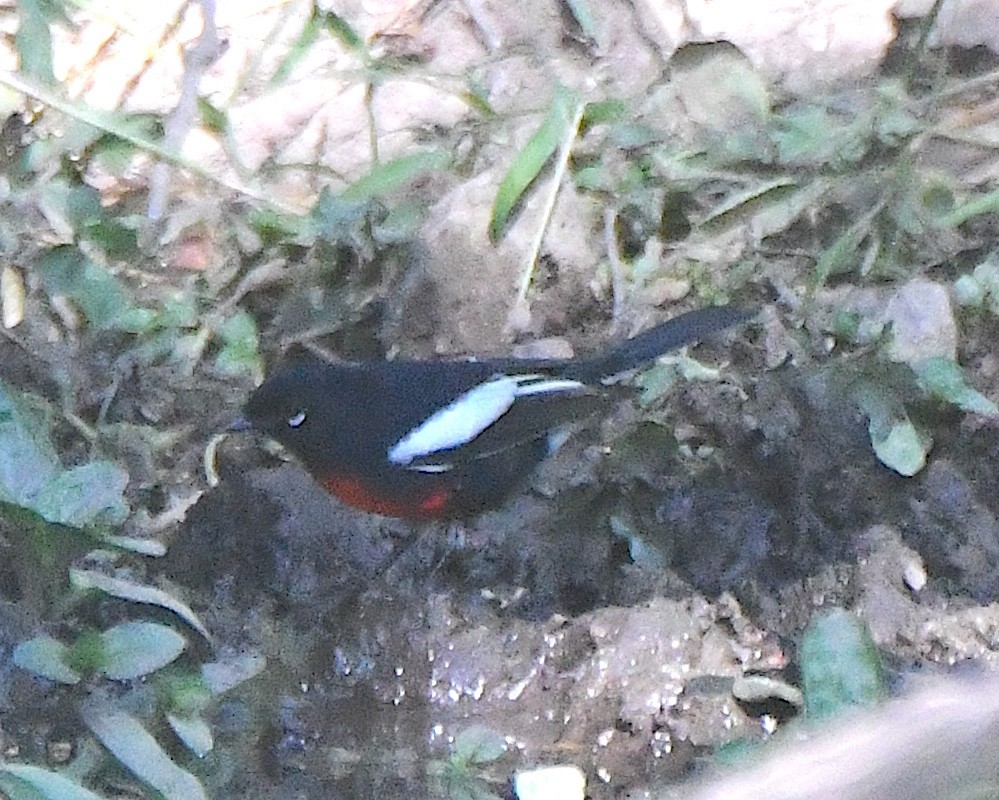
pixel 128 741
pixel 213 118
pixel 67 271
pixel 27 458
pixel 585 18
pixel 33 40
pixel 896 442
pixel 643 553
pixel 115 237
pixel 46 784
pixel 389 176
pixel 240 351
pixel 942 377
pixel 479 745
pixel 32 478
pixel 134 649
pixel 299 48
pixel 987 203
pixel 91 494
pixel 146 547
pixel 841 256
pixel 899 446
pixel 221 676
pixel 45 656
pixel 529 162
pixel 342 30
pixel 194 732
pixel 840 666
pixel 812 136
pixel 743 205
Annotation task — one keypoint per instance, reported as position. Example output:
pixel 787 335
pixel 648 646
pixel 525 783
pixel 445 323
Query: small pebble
pixel 565 782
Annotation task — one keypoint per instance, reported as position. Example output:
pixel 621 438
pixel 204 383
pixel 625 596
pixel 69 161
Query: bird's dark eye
pixel 296 420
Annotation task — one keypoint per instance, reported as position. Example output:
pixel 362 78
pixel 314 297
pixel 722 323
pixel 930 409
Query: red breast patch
pixel 356 493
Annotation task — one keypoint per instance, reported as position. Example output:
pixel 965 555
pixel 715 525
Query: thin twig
pixel 183 117
pixel 616 268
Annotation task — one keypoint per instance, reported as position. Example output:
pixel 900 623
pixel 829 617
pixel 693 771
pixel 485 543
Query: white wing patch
pixel 469 415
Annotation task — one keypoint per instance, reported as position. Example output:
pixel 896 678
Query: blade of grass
pixel 113 124
pixel 560 124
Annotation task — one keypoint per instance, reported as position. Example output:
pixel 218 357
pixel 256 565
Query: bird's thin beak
pixel 239 425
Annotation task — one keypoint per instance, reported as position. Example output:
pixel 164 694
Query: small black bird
pixel 446 439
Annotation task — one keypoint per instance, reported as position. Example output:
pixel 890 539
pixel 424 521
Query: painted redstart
pixel 428 440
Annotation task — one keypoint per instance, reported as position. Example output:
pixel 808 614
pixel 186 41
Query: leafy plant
pixel 124 652
pixel 840 667
pixel 462 776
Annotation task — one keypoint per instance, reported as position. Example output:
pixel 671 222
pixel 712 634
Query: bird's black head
pixel 284 406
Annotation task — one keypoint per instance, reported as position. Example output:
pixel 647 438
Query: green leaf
pixel 583 14
pixel 841 256
pixel 528 163
pixel 91 494
pixel 942 377
pixel 69 208
pixel 479 745
pixel 32 478
pixel 44 656
pixel 221 676
pixel 382 179
pixel 240 351
pixel 782 192
pixel 128 741
pixel 27 458
pixel 342 30
pixel 136 593
pixel 134 649
pixel 213 118
pixel 46 784
pixel 194 732
pixel 811 136
pixel 643 553
pixel 67 271
pixel 840 666
pixel 115 237
pixel 899 446
pixel 987 203
pixel 298 49
pixel 896 442
pixel 33 40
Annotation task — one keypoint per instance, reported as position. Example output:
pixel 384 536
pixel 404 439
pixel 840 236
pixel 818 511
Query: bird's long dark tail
pixel 652 343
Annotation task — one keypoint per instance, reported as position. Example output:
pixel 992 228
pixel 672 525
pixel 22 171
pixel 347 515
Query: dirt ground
pixel 619 614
